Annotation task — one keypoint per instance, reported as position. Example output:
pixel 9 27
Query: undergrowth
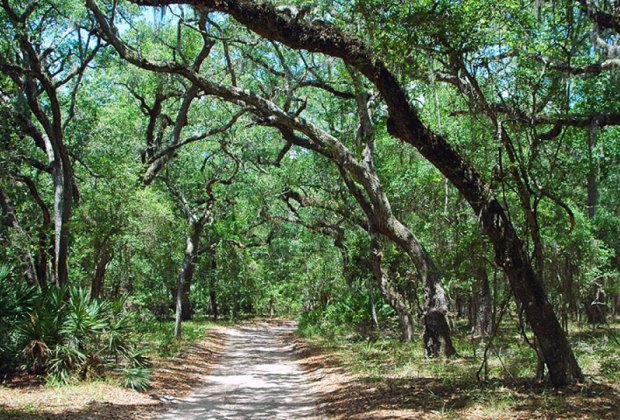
pixel 385 363
pixel 65 337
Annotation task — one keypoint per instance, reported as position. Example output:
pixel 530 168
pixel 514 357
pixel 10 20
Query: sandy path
pixel 255 377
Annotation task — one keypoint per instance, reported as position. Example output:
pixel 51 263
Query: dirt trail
pixel 256 376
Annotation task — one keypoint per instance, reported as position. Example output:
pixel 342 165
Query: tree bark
pixel 186 305
pixel 63 200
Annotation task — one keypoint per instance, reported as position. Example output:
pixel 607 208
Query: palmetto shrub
pixel 65 335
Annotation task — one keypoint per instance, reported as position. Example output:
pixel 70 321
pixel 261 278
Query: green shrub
pixel 16 300
pixel 65 335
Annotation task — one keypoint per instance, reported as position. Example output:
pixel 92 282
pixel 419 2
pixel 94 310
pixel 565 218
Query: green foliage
pixel 346 315
pixel 66 335
pixel 260 255
pixel 157 338
pixel 16 301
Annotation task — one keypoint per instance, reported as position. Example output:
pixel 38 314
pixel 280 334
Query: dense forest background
pixel 433 171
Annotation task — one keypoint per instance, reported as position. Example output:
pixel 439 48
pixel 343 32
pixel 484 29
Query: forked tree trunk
pixel 404 123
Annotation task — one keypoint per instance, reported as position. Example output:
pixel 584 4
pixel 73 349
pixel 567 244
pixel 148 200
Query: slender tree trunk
pixel 185 274
pixel 63 200
pixel 461 305
pixel 213 302
pixel 483 309
pixel 186 304
pixel 373 309
pixel 41 258
pixel 591 177
pixel 213 283
pixel 102 259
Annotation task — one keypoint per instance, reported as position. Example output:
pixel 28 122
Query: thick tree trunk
pixel 596 303
pixel 380 216
pixel 436 329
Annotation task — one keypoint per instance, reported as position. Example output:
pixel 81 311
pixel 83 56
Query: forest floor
pixel 263 369
pixel 174 377
pixel 386 379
